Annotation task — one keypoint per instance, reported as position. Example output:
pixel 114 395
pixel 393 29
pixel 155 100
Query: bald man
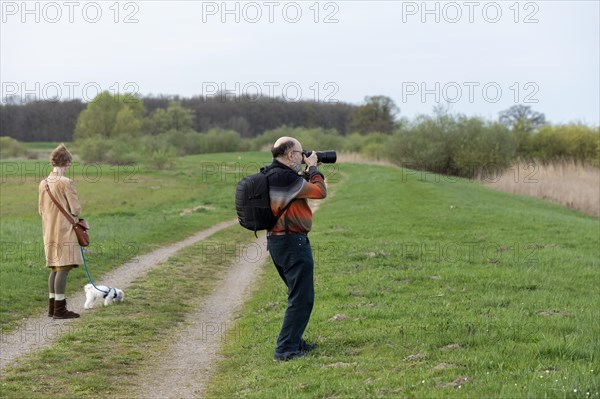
pixel 288 240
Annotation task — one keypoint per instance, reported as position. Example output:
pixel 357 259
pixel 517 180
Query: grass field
pixel 424 288
pixel 131 211
pixel 432 288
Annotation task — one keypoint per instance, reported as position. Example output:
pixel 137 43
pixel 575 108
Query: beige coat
pixel 60 242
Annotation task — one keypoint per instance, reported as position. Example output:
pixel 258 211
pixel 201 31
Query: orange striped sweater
pixel 286 185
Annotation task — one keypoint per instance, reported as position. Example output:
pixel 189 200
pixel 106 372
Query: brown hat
pixel 61 156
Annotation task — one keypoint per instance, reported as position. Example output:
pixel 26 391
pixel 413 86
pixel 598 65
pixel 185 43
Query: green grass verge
pixel 43 145
pixel 131 209
pixel 100 354
pixel 441 289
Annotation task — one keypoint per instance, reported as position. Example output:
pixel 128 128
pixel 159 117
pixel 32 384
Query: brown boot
pixel 61 312
pixel 51 307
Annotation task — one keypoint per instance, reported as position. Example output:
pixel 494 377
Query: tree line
pixel 56 121
pixel 122 128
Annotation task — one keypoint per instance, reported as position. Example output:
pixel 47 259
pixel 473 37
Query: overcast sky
pixel 482 57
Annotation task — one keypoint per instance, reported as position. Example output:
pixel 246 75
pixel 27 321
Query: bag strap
pixel 57 204
pixel 269 170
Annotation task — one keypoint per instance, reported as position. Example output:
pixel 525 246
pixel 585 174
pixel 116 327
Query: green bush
pixel 218 140
pixel 577 142
pixel 452 144
pixel 317 139
pixel 186 142
pixel 108 150
pixel 161 158
pixel 354 142
pixel 375 146
pixel 268 137
pixel 11 148
pixel 479 146
pixel 424 145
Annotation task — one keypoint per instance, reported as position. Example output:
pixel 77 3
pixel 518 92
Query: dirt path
pixel 41 331
pixel 187 365
pixel 189 362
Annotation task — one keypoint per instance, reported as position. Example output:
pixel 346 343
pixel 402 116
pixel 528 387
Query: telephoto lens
pixel 328 156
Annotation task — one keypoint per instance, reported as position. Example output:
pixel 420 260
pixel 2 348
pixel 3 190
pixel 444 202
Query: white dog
pixel 108 294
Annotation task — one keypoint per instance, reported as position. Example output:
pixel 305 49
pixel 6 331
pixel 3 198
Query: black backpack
pixel 252 201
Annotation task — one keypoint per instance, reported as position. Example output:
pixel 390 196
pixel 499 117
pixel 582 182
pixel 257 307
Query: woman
pixel 60 242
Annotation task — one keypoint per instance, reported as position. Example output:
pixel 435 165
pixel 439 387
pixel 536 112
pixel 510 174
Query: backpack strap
pixel 268 171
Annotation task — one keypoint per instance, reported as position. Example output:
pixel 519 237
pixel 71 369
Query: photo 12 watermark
pixel 466 331
pixel 42 332
pixel 453 12
pixel 488 172
pixel 270 12
pixel 450 253
pixel 34 172
pixel 35 254
pixel 54 12
pixel 255 91
pixel 24 92
pixel 469 92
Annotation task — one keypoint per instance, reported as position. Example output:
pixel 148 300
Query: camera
pixel 328 156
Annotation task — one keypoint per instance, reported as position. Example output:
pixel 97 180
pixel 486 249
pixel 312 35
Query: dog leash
pixel 90 277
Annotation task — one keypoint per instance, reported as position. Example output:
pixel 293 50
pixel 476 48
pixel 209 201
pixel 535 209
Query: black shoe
pixel 284 357
pixel 306 347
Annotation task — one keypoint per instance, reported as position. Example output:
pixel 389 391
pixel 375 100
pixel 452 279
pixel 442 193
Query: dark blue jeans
pixel 293 259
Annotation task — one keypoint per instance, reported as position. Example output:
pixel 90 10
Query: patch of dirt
pixel 452 347
pixel 338 364
pixel 196 208
pixel 457 383
pixel 338 317
pixel 444 366
pixel 415 358
pixel 552 313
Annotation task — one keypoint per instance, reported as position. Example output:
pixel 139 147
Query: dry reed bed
pixel 567 183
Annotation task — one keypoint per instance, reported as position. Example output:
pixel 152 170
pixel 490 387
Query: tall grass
pixel 565 182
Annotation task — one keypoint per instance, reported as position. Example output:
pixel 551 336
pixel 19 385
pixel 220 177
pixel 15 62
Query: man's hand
pixel 311 160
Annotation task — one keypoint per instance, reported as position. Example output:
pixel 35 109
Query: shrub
pixel 354 142
pixel 186 142
pixel 424 145
pixel 452 144
pixel 113 151
pixel 480 145
pixel 11 148
pixel 317 139
pixel 268 137
pixel 161 158
pixel 218 140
